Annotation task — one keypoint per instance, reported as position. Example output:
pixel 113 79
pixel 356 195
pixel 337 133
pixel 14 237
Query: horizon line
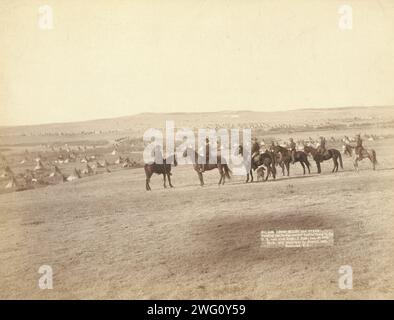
pixel 189 112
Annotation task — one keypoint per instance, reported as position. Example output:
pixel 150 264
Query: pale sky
pixel 113 58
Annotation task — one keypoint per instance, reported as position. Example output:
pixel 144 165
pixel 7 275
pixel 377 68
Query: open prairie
pixel 106 237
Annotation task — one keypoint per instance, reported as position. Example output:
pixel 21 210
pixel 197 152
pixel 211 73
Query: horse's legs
pixel 282 165
pixel 169 180
pixel 318 166
pixel 268 172
pixel 303 166
pixel 374 160
pixel 273 170
pixel 355 163
pixel 373 164
pixel 201 178
pixel 251 175
pixel 220 168
pixel 371 159
pixel 164 179
pixel 288 168
pixel 147 186
pixel 335 164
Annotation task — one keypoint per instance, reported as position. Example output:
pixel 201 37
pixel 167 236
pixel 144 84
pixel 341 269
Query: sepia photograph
pixel 196 150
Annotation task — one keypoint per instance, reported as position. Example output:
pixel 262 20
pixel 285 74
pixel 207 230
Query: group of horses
pixel 261 162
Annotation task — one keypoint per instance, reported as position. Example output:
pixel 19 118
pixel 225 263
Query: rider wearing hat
pixel 359 144
pixel 202 168
pixel 255 147
pixel 292 150
pixel 322 146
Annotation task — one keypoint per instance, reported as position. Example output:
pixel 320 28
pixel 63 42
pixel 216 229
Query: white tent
pixel 12 183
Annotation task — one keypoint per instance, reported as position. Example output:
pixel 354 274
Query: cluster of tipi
pixel 64 156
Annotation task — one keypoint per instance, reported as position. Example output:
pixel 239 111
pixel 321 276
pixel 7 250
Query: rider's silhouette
pixel 292 150
pixel 359 145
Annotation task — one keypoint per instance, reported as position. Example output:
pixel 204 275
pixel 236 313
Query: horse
pixel 200 166
pixel 164 169
pixel 285 159
pixel 333 154
pixel 365 153
pixel 258 160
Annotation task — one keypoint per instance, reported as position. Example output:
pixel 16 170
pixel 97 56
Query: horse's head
pixel 347 149
pixel 309 149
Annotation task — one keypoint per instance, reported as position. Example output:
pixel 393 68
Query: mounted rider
pixel 292 146
pixel 272 146
pixel 255 147
pixel 346 140
pixel 156 153
pixel 359 145
pixel 207 152
pixel 277 156
pixel 322 146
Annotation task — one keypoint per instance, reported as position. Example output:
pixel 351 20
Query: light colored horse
pixel 364 154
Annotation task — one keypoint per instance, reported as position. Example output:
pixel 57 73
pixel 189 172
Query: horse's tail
pixel 227 171
pixel 340 160
pixel 374 160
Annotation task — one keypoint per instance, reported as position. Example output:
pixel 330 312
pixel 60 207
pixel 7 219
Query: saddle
pixel 361 151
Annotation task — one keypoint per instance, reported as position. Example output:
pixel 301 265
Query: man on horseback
pixel 359 145
pixel 292 150
pixel 255 147
pixel 272 146
pixel 207 151
pixel 346 140
pixel 276 154
pixel 322 146
pixel 157 154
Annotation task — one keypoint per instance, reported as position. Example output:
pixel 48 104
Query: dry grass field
pixel 106 237
pixel 90 89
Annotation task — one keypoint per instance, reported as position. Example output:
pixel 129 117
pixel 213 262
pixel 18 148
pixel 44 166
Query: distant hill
pixel 143 121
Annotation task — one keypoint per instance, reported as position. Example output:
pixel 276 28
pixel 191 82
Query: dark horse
pixel 285 159
pixel 266 159
pixel 199 165
pixel 333 154
pixel 164 169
